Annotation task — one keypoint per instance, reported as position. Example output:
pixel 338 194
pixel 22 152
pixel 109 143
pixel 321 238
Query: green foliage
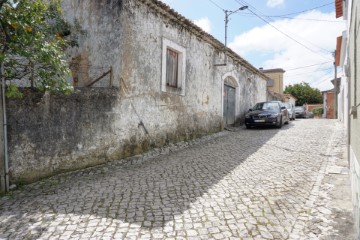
pixel 304 93
pixel 32 44
pixel 12 91
pixel 318 111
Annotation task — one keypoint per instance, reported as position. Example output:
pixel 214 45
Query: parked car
pixel 309 114
pixel 291 109
pixel 271 113
pixel 300 112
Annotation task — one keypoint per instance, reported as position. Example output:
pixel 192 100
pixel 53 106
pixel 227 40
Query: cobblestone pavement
pixel 242 184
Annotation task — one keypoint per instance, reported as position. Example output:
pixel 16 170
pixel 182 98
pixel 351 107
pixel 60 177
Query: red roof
pixel 338 50
pixel 339 8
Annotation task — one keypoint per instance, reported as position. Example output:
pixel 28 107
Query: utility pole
pixel 227 14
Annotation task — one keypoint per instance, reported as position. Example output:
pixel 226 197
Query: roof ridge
pixel 201 33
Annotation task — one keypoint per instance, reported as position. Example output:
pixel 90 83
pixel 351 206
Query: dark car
pixel 300 112
pixel 291 109
pixel 271 113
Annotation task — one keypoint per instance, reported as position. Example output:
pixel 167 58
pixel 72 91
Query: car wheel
pixel 279 123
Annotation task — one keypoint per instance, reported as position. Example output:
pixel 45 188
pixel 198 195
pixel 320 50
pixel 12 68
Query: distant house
pixel 287 97
pixel 170 81
pixel 329 104
pixel 275 83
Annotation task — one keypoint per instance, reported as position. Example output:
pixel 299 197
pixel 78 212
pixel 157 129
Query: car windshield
pixel 287 105
pixel 266 106
pixel 299 108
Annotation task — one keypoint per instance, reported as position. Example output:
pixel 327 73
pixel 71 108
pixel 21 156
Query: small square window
pixel 173 68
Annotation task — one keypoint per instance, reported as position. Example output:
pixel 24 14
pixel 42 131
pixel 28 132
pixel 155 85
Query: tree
pixel 32 45
pixel 304 93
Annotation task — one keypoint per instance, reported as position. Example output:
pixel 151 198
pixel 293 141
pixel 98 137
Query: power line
pixel 291 69
pixel 287 35
pixel 309 19
pixel 323 80
pixel 282 32
pixel 304 73
pixel 217 5
pixel 295 18
pixel 316 83
pixel 307 10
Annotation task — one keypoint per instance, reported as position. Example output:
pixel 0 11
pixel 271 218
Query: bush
pixel 318 111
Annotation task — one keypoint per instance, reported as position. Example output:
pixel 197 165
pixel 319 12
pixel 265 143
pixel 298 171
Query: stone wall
pixel 49 134
pixel 52 133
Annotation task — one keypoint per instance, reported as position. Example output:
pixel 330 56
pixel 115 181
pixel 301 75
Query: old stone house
pixel 164 80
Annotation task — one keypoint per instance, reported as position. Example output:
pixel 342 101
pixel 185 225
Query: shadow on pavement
pixel 148 194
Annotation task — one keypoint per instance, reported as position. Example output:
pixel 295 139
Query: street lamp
pixel 227 14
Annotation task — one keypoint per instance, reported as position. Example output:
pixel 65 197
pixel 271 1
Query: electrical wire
pixel 288 36
pixel 242 2
pixel 295 18
pixel 304 73
pixel 307 10
pixel 310 19
pixel 316 83
pixel 291 69
pixel 217 5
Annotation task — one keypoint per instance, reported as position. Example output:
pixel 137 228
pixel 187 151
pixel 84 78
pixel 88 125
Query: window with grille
pixel 173 68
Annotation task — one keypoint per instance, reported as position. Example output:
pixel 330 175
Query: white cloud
pixel 282 52
pixel 274 3
pixel 204 23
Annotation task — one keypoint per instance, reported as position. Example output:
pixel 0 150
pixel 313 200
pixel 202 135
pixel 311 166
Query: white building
pixel 348 52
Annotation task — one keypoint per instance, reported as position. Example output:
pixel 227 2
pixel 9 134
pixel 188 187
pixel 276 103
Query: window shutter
pixel 172 68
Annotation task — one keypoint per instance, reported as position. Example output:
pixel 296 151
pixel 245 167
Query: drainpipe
pixel 5 130
pixel 349 120
pixel 335 86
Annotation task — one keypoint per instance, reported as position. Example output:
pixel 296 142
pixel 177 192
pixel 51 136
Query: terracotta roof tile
pixel 165 10
pixel 338 50
pixel 339 8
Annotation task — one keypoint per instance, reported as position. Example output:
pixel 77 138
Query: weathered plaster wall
pixel 54 134
pixel 49 134
pixel 135 56
pixel 354 92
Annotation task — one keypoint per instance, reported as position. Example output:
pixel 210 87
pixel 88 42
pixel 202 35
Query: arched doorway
pixel 229 101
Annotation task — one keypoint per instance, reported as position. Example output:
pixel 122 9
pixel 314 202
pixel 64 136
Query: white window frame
pixel 180 89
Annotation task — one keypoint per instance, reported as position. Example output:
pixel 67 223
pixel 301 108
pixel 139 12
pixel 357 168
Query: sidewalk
pixel 331 215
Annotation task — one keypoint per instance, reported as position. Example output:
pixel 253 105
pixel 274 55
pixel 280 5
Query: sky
pixel 298 36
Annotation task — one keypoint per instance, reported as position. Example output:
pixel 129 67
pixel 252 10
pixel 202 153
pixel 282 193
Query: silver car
pixel 291 110
pixel 300 112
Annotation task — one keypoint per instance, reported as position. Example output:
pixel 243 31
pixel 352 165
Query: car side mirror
pixel 282 108
pixel 250 110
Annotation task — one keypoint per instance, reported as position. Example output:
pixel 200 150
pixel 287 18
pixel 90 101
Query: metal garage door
pixel 229 105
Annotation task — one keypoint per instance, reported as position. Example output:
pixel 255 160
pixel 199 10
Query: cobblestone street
pixel 241 184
